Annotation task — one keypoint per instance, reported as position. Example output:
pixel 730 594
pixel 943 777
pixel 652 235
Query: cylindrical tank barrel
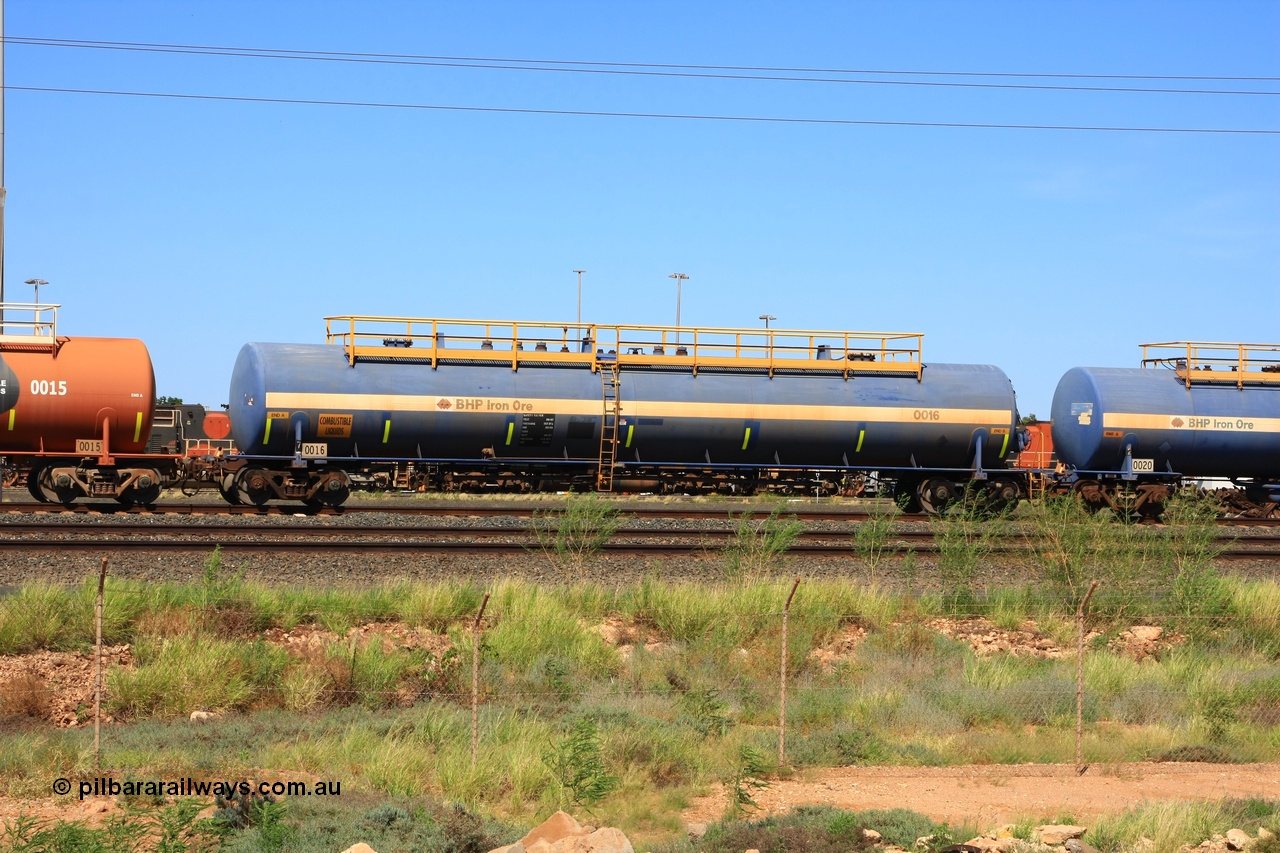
pixel 283 394
pixel 1207 430
pixel 50 398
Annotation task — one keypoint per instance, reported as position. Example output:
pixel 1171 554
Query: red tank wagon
pixel 77 412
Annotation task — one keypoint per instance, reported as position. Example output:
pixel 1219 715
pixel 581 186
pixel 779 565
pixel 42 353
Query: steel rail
pixel 803 513
pixel 310 544
pixel 491 548
pixel 363 532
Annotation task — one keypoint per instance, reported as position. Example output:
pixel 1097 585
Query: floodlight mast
pixel 680 278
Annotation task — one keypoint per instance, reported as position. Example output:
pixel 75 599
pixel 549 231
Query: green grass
pixel 820 829
pixel 392 825
pixel 676 709
pixel 1173 826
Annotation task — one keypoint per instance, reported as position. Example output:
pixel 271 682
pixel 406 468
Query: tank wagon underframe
pixel 1194 412
pixel 639 408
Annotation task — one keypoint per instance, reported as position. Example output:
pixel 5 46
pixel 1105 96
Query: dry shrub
pixel 1264 714
pixel 170 622
pixel 27 695
pixel 224 622
pixel 230 621
pixel 319 678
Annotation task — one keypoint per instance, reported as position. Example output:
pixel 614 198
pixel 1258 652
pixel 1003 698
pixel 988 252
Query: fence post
pixel 97 673
pixel 782 681
pixel 475 681
pixel 1080 765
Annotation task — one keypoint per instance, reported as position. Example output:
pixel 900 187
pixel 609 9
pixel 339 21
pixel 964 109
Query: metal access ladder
pixel 609 385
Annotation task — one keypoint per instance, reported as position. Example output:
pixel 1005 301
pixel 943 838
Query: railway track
pixel 282 538
pixel 803 510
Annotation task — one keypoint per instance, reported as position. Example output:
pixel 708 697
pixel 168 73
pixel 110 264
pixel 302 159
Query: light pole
pixel 579 272
pixel 37 282
pixel 767 318
pixel 35 314
pixel 680 278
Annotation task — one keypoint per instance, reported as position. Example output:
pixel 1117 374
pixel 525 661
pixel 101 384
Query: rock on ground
pixel 561 833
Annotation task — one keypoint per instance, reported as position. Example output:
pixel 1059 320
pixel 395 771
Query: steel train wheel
pixel 253 486
pixel 906 496
pixel 335 488
pixel 140 496
pixel 33 483
pixel 937 493
pixel 995 496
pixel 227 488
pixel 145 490
pixel 43 488
pixel 1091 493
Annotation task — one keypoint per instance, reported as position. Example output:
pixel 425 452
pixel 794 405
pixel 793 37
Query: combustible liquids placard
pixel 335 426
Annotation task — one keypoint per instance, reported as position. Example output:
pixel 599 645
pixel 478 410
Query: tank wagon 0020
pixel 638 408
pixel 1193 411
pixel 76 412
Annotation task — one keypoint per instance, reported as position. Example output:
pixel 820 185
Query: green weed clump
pixel 171 827
pixel 758 546
pixel 873 539
pixel 819 829
pixel 540 641
pixel 1170 569
pixel 1068 544
pixel 570 538
pixel 42 616
pixel 1173 826
pixel 420 824
pixel 966 536
pixel 1255 623
pixel 182 674
pixel 577 763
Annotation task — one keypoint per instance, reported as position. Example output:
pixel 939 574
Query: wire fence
pixel 804 659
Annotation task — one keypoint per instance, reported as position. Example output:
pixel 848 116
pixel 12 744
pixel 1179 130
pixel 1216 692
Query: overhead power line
pixel 713 72
pixel 681 116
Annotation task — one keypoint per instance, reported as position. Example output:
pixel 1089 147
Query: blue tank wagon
pixel 627 405
pixel 1192 411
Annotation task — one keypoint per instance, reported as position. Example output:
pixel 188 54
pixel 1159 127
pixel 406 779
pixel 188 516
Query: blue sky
pixel 198 225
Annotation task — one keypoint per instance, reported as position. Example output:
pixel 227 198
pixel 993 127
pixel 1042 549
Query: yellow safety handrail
pixel 439 341
pixel 1216 362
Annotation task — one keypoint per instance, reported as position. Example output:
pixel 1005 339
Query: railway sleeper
pixel 1250 501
